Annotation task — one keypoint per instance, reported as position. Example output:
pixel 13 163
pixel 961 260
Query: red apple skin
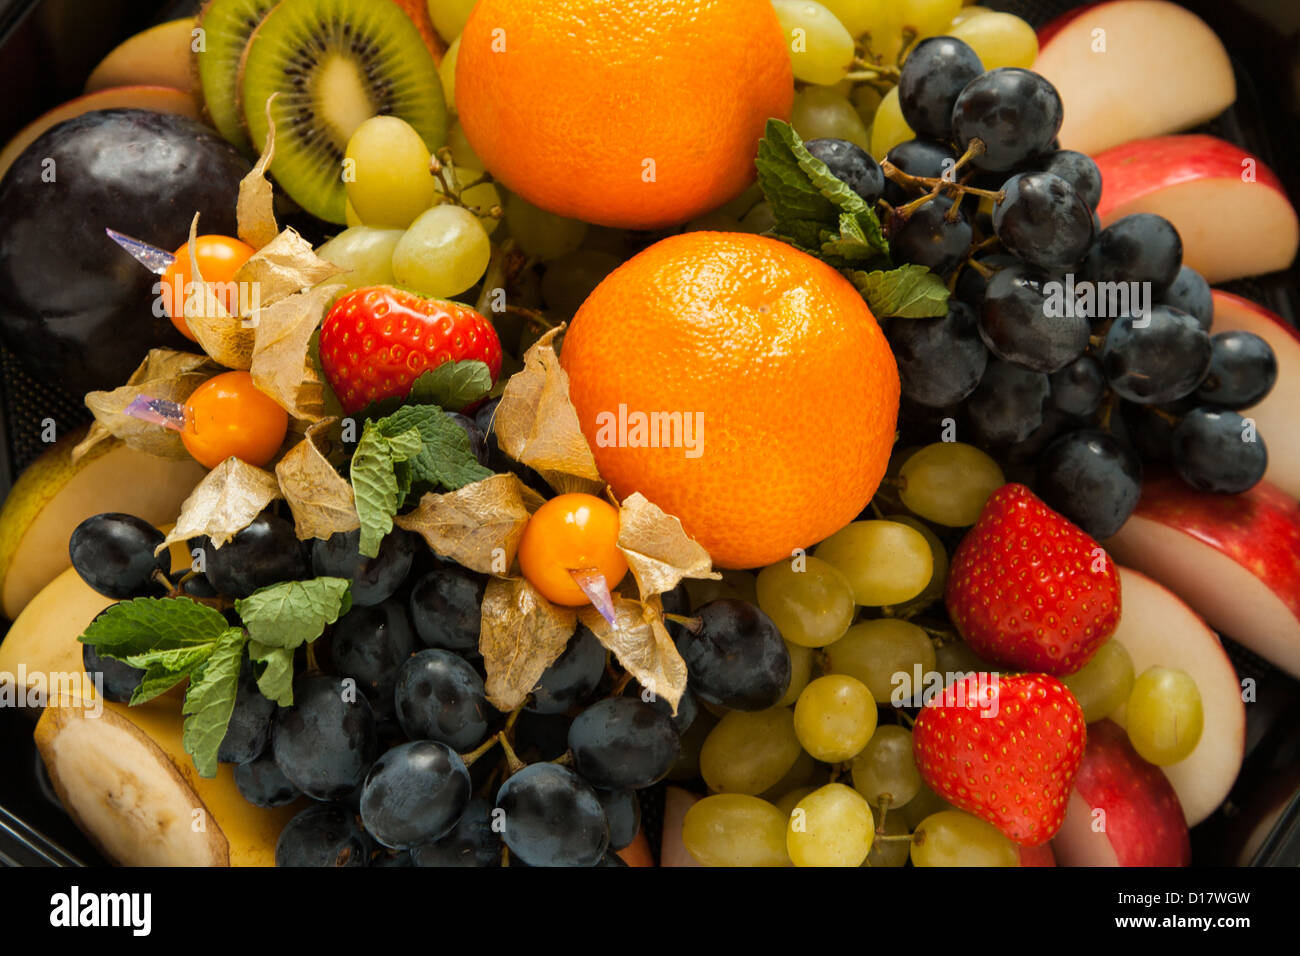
pixel 1258 529
pixel 1146 165
pixel 1254 307
pixel 1056 25
pixel 1144 820
pixel 1037 855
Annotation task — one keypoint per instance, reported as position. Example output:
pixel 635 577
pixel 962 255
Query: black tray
pixel 48 47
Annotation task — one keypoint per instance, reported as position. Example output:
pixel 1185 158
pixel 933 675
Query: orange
pixel 230 416
pixel 627 113
pixel 774 361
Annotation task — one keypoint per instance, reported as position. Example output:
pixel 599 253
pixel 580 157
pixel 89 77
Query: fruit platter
pixel 650 433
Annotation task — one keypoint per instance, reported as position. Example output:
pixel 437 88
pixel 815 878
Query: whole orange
pixel 740 385
pixel 627 113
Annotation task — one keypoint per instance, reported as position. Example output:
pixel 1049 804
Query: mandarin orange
pixel 740 385
pixel 628 113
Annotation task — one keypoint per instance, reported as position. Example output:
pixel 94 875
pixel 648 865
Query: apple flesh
pixel 160 56
pixel 1159 630
pixel 1275 415
pixel 1232 225
pixel 1161 70
pixel 1234 559
pixel 1037 855
pixel 1123 811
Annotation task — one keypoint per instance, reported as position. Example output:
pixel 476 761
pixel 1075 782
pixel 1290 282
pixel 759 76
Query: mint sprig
pixel 178 639
pixel 416 445
pixel 821 215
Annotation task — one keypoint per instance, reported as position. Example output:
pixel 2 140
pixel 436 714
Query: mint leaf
pixel 164 669
pixel 910 291
pixel 452 385
pixel 276 681
pixel 210 701
pixel 445 458
pixel 377 487
pixel 815 211
pixel 294 612
pixel 148 624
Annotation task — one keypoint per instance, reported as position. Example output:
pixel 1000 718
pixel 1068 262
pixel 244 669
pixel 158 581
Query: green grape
pixel 832 826
pixel 447 73
pixel 890 853
pixel 948 483
pixel 350 214
pixel 884 561
pixel 462 153
pixel 745 583
pixel 925 803
pixel 889 128
pixel 483 198
pixel 821 50
pixel 445 252
pixel 800 774
pixel 880 653
pixel 866 100
pixel 760 219
pixel 928 17
pixel 788 802
pixel 964 14
pixel 861 16
pixel 810 603
pixel 541 234
pixel 999 39
pixel 939 577
pixel 571 278
pixel 687 764
pixel 834 717
pixel 887 769
pixel 450 16
pixel 702 591
pixel 749 197
pixel 749 752
pixel 823 113
pixel 732 829
pixel 1163 716
pixel 1103 684
pixel 366 253
pixel 386 173
pixel 801 670
pixel 954 658
pixel 954 838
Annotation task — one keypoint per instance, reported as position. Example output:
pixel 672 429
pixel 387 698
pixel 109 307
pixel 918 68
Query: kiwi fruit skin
pixel 390 62
pixel 227 25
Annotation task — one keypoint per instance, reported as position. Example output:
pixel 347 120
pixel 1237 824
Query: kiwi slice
pixel 335 64
pixel 227 25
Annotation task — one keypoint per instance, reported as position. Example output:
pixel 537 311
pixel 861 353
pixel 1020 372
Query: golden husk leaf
pixel 470 524
pixel 255 209
pixel 287 264
pixel 225 337
pixel 163 374
pixel 642 645
pixel 537 425
pixel 224 503
pixel 319 497
pixel 280 364
pixel 659 553
pixel 522 634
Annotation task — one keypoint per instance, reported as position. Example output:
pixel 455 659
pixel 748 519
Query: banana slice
pixel 127 782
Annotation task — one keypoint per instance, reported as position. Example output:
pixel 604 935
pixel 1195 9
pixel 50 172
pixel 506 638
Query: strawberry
pixel 377 341
pixel 1006 749
pixel 1029 589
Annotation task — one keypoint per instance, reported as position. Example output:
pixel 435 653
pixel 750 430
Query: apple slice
pixel 160 99
pixel 672 852
pixel 1275 415
pixel 1235 559
pixel 1123 811
pixel 1037 855
pixel 160 56
pixel 1132 69
pixel 1230 209
pixel 53 496
pixel 1159 630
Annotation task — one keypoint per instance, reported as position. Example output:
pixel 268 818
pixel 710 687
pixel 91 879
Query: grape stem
pixel 513 763
pixel 438 166
pixel 480 750
pixel 868 70
pixel 906 719
pixel 885 800
pixel 693 624
pixel 565 759
pixel 531 316
pixel 621 685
